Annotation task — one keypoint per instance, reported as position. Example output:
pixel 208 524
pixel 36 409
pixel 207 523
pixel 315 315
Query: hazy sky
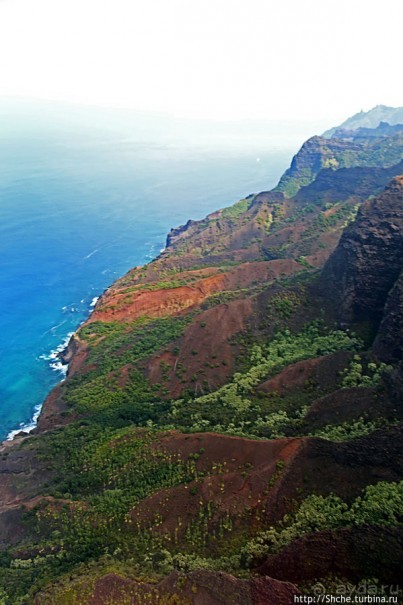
pixel 272 59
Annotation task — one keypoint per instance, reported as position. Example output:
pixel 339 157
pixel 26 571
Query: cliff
pixel 368 260
pixel 229 408
pixel 388 344
pixel 345 149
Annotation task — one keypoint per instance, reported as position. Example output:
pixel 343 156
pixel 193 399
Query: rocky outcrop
pixel 54 412
pixel 176 232
pixel 368 260
pixel 388 344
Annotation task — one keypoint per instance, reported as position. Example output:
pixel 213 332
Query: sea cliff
pixel 230 428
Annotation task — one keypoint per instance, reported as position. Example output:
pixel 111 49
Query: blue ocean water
pixel 80 204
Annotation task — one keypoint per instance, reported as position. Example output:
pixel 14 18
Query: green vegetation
pixel 236 408
pixel 374 151
pixel 348 430
pixel 121 492
pixel 283 349
pixel 115 392
pixel 94 513
pixel 106 464
pixel 220 298
pixel 128 343
pixel 160 285
pixel 341 216
pixel 285 304
pixel 380 504
pixel 356 375
pixel 234 211
pixel 103 469
pixel 101 475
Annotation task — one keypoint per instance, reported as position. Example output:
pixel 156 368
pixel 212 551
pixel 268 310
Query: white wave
pixel 91 253
pixel 28 426
pixel 54 328
pixel 57 366
pixel 68 309
pixel 54 354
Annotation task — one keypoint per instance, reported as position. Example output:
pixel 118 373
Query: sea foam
pixel 57 366
pixel 28 426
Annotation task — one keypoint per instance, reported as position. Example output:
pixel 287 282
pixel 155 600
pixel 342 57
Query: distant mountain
pixel 370 119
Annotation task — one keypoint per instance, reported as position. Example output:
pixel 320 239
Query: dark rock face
pixel 388 344
pixel 175 232
pixel 368 260
pixel 335 185
pixel 350 553
pixel 394 384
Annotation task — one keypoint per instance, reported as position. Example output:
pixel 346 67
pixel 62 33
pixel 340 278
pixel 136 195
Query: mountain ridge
pixel 345 149
pixel 370 119
pixel 228 409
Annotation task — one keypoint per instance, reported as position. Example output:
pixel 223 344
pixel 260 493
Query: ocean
pixel 82 200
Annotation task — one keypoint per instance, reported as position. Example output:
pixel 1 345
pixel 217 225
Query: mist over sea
pixel 86 194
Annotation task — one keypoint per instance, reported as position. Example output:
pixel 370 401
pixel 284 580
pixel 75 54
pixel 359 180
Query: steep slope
pixel 380 147
pixel 369 259
pixel 388 344
pixel 182 296
pixel 220 419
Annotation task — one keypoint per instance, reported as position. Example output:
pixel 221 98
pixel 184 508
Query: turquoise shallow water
pixel 81 205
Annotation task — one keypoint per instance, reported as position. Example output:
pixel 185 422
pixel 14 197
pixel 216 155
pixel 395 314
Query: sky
pixel 215 59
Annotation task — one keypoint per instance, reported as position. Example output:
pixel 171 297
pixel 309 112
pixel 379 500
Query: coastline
pixel 58 361
pixel 56 364
pixel 205 413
